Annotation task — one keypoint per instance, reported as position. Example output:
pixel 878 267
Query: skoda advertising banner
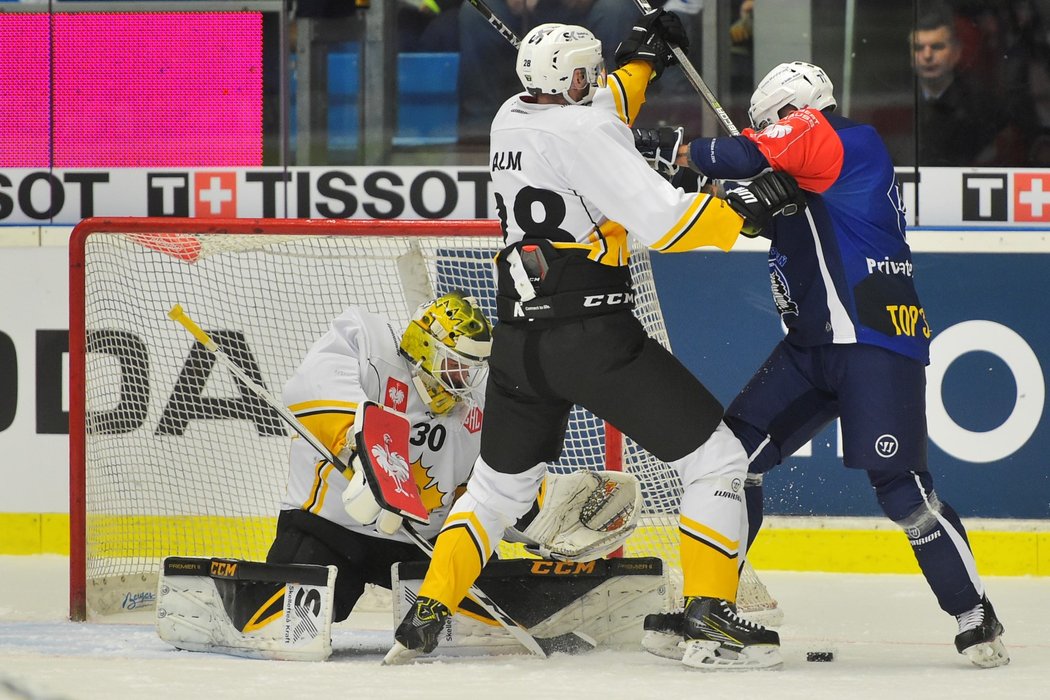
pixel 981 258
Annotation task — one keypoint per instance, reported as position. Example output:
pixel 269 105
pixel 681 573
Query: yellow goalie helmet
pixel 448 342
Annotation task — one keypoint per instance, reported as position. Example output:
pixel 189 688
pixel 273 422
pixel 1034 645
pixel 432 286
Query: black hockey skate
pixel 418 632
pixel 980 636
pixel 717 638
pixel 664 635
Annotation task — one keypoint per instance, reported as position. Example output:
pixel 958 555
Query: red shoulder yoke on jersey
pixel 382 446
pixel 804 145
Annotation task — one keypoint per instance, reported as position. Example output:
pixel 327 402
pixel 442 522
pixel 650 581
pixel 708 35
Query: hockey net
pixel 171 455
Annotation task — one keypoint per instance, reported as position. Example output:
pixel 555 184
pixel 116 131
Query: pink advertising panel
pixel 131 89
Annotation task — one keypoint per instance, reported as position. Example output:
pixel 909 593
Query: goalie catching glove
pixel 660 148
pixel 651 40
pixel 760 200
pixel 583 516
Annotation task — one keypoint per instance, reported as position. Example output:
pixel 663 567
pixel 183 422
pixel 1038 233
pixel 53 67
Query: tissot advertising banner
pixel 64 197
pixel 933 196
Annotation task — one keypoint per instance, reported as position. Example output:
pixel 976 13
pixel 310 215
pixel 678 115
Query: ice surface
pixel 891 642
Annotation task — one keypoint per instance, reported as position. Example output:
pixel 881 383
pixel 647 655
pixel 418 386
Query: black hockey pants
pixel 305 538
pixel 605 363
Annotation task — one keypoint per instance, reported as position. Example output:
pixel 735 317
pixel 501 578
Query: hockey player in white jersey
pixel 434 373
pixel 569 185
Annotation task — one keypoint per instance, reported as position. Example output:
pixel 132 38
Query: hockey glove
pixel 585 515
pixel 651 39
pixel 767 195
pixel 660 148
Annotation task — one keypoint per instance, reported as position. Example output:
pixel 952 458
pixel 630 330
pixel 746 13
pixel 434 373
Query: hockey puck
pixel 818 656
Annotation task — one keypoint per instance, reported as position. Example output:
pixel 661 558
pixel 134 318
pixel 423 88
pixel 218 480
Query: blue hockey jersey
pixel 841 271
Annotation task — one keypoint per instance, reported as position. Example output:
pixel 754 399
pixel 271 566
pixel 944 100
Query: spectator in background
pixel 486 63
pixel 960 122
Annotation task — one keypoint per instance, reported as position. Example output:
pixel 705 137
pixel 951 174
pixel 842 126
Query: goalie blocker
pixel 567 606
pixel 381 490
pixel 244 608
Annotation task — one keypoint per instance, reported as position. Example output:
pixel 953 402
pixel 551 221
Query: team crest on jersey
pixel 473 420
pixel 776 131
pixel 396 395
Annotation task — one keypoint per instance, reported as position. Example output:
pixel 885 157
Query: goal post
pixel 170 455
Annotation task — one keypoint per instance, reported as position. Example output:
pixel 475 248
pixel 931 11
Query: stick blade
pixel 399 654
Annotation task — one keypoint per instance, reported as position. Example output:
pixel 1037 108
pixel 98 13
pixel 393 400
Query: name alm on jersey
pixel 506 160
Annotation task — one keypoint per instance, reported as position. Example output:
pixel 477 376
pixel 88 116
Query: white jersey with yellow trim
pixel 358 360
pixel 571 174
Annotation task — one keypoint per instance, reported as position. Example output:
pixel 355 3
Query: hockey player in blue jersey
pixel 856 349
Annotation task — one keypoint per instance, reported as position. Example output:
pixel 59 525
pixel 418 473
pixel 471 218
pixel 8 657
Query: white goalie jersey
pixel 358 360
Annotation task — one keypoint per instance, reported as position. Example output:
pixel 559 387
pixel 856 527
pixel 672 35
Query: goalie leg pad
pixel 243 608
pixel 603 602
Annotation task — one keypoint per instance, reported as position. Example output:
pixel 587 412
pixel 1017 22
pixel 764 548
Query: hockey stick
pixel 696 81
pixel 496 22
pixel 487 604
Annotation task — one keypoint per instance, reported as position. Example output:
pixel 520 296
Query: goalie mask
pixel 549 56
pixel 798 84
pixel 448 342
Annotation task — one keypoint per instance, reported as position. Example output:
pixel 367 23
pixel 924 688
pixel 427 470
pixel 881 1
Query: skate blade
pixel 399 654
pixel 710 656
pixel 988 654
pixel 669 646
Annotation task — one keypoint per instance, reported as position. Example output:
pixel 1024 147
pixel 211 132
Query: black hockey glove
pixel 660 148
pixel 650 40
pixel 767 195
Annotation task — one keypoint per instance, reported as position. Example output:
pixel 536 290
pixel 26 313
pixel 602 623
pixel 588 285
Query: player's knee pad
pixel 509 495
pixel 721 458
pixel 908 499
